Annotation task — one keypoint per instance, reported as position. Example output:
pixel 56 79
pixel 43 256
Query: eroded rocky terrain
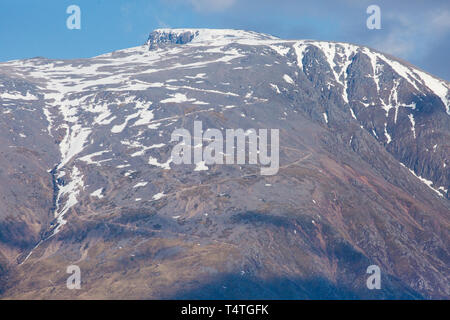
pixel 88 179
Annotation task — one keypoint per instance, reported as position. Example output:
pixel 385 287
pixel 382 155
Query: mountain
pixel 88 177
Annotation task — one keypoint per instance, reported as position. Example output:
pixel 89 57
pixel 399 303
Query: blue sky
pixel 415 30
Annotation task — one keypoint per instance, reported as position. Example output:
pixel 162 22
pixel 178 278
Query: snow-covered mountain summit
pixel 182 36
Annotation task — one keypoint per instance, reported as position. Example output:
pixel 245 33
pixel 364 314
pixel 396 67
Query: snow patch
pixel 154 162
pixel 98 193
pixel 429 183
pixel 413 124
pixel 158 196
pixel 140 184
pixel 200 166
pixel 275 87
pixel 177 98
pixel 386 134
pixel 71 190
pixel 288 79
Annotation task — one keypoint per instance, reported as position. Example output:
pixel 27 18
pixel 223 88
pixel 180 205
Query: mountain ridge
pixel 91 145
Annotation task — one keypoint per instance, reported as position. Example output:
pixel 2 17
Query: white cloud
pixel 442 20
pixel 412 36
pixel 212 5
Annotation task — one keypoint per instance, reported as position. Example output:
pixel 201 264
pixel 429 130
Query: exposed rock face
pixel 86 156
pixel 158 39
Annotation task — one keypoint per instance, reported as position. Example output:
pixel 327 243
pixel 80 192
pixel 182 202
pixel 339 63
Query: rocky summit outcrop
pixel 88 177
pixel 161 38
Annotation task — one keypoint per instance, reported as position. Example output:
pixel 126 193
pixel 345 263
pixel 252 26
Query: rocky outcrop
pixel 160 39
pixel 363 178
